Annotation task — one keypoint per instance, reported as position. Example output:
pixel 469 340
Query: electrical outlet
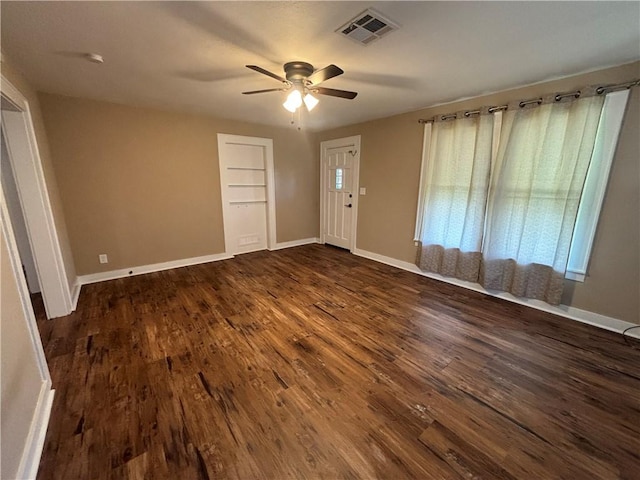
pixel 363 190
pixel 103 258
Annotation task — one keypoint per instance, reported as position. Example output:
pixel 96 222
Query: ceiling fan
pixel 303 81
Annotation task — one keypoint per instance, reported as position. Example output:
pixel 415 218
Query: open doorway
pixel 16 216
pixel 31 217
pixel 26 393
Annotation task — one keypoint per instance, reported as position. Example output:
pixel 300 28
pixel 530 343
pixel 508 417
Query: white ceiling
pixel 190 56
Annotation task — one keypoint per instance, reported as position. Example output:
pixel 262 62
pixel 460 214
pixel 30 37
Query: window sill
pixel 575 276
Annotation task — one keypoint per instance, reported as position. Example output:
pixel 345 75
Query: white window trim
pixel 595 185
pixel 426 146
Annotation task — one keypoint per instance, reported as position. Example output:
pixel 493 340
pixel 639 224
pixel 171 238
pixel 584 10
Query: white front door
pixel 248 200
pixel 339 201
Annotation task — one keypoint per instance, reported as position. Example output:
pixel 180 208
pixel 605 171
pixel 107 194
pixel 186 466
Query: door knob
pixel 349 205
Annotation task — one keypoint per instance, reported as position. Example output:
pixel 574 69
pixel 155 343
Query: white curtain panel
pixel 457 182
pixel 536 187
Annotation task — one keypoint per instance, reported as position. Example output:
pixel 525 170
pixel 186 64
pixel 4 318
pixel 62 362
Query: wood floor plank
pixel 313 363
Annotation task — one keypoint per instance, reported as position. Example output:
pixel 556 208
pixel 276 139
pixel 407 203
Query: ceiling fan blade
pixel 265 91
pixel 324 74
pixel 334 93
pixel 267 73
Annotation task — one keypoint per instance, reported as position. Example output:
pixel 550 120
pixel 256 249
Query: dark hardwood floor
pixel 313 363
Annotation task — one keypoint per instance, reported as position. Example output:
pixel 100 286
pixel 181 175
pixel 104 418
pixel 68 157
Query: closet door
pixel 246 175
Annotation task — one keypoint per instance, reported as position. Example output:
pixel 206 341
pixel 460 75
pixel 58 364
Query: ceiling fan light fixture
pixel 310 101
pixel 294 100
pixel 302 82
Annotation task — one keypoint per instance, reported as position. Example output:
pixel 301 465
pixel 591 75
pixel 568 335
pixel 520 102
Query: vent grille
pixel 367 27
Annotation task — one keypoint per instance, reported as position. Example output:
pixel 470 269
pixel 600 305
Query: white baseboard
pixel 75 294
pixel 30 461
pixel 155 267
pixel 295 243
pixel 158 267
pixel 583 316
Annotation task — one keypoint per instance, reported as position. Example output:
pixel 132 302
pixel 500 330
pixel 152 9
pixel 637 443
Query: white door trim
pixel 353 142
pixel 267 143
pixel 27 308
pixel 21 143
pixel 32 451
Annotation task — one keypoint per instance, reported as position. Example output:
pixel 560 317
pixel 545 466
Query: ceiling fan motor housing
pixel 297 72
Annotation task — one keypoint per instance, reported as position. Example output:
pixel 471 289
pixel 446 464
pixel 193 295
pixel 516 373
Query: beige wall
pixel 142 185
pixel 21 379
pixel 390 167
pixel 18 81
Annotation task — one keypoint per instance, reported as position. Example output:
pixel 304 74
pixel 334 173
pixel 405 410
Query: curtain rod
pixel 600 90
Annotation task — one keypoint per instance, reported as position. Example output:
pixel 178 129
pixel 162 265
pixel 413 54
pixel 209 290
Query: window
pixel 588 198
pixel 339 178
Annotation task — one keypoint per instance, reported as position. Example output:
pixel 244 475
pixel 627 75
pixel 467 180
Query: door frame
pixel 32 451
pixel 18 223
pixel 354 143
pixel 24 156
pixel 267 144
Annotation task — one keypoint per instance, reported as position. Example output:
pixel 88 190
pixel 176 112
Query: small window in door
pixel 339 178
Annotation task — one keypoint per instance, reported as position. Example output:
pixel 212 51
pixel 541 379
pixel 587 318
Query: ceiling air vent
pixel 367 27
